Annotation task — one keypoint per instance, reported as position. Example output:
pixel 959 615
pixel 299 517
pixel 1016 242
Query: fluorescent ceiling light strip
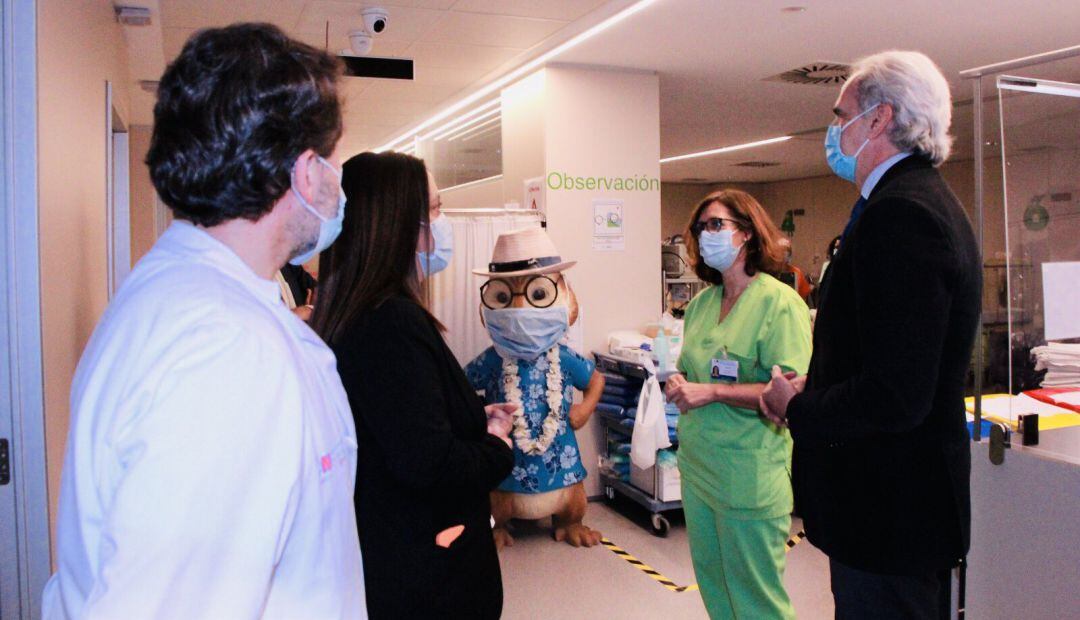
pixel 472 129
pixel 467 124
pixel 1043 87
pixel 522 71
pixel 726 149
pixel 478 134
pixel 455 123
pixel 470 184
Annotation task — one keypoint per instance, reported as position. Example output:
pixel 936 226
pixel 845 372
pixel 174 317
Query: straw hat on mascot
pixel 527 307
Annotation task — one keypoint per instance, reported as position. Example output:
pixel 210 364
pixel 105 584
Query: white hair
pixel 919 95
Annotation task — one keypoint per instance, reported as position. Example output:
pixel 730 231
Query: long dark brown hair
pixel 763 251
pixel 374 258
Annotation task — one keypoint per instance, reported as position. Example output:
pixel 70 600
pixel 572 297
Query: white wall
pixel 80 46
pixel 595 123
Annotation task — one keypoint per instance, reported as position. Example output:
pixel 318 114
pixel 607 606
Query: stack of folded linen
pixel 671 412
pixel 1061 363
pixel 620 390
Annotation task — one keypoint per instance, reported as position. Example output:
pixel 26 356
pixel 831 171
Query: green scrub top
pixel 733 456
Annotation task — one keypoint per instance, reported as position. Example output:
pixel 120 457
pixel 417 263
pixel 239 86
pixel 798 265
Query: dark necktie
pixel 856 211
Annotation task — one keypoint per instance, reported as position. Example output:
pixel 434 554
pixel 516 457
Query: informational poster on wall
pixel 1061 298
pixel 534 195
pixel 608 225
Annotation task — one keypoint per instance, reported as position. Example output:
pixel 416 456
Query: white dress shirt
pixel 879 171
pixel 211 459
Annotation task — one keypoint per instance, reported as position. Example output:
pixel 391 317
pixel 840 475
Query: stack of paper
pixel 1061 362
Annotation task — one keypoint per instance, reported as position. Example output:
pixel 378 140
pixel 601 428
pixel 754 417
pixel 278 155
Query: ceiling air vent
pixel 756 164
pixel 819 73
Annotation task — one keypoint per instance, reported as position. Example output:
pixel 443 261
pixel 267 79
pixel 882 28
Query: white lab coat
pixel 211 459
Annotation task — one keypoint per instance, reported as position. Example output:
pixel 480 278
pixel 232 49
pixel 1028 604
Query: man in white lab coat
pixel 211 459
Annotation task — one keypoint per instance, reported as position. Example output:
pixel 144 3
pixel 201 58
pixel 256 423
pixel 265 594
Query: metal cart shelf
pixel 614 486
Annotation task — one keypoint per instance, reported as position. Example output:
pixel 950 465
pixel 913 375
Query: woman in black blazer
pixel 429 452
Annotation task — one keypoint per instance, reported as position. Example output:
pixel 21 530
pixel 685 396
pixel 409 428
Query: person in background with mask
pixel 881 444
pixel 211 457
pixel 430 452
pixel 792 274
pixel 736 487
pixel 297 290
pixel 830 254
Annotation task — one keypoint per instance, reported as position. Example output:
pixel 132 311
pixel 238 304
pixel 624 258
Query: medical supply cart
pixel 656 488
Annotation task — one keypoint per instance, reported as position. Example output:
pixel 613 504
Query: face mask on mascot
pixel 527 315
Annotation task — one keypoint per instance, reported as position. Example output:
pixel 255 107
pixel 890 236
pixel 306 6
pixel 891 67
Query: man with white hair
pixel 881 460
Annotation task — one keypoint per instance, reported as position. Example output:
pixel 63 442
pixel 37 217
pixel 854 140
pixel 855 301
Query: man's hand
pixel 778 394
pixel 686 395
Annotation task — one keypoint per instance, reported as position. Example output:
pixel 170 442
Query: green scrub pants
pixel 739 563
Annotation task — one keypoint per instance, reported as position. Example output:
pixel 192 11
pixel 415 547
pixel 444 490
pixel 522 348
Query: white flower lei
pixel 512 388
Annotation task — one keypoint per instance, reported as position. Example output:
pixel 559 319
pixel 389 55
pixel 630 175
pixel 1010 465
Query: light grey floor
pixel 553 581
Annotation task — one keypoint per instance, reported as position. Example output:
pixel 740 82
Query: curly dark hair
pixel 234 111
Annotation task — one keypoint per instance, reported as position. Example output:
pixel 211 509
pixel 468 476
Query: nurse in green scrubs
pixel 735 465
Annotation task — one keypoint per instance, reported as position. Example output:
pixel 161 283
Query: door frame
pixel 24 540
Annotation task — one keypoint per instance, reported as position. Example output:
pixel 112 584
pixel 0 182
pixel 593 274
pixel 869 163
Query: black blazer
pixel 425 463
pixel 881 460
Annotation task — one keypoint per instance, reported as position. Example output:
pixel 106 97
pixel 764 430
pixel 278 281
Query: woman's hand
pixel 501 420
pixel 686 395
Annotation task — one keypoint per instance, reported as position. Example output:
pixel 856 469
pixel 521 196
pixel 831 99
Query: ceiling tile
pixel 496 30
pixel 204 13
pixel 338 43
pixel 395 91
pixel 373 106
pixel 447 76
pixel 393 4
pixel 427 54
pixel 565 10
pixel 407 24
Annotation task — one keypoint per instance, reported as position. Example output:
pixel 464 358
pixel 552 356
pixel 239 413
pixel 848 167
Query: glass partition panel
pixel 465 152
pixel 1040 150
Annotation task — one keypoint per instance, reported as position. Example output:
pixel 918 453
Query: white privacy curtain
pixel 455 292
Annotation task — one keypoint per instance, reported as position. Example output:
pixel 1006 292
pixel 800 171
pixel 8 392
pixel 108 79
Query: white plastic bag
pixel 650 426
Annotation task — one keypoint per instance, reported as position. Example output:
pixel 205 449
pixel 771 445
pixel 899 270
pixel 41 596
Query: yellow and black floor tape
pixel 664 581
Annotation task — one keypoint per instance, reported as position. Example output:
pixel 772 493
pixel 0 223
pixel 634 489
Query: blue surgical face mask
pixel 442 235
pixel 329 228
pixel 717 249
pixel 526 333
pixel 843 165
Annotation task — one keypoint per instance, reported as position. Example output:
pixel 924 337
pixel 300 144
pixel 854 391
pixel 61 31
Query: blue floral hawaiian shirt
pixel 560 466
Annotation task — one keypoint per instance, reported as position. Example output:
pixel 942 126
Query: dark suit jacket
pixel 881 460
pixel 425 463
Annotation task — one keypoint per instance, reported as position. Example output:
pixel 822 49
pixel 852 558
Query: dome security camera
pixel 375 20
pixel 360 43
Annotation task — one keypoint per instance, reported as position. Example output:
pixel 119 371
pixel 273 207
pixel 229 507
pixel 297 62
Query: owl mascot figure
pixel 527 308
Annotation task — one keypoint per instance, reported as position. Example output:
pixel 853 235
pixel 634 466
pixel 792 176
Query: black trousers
pixel 860 595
